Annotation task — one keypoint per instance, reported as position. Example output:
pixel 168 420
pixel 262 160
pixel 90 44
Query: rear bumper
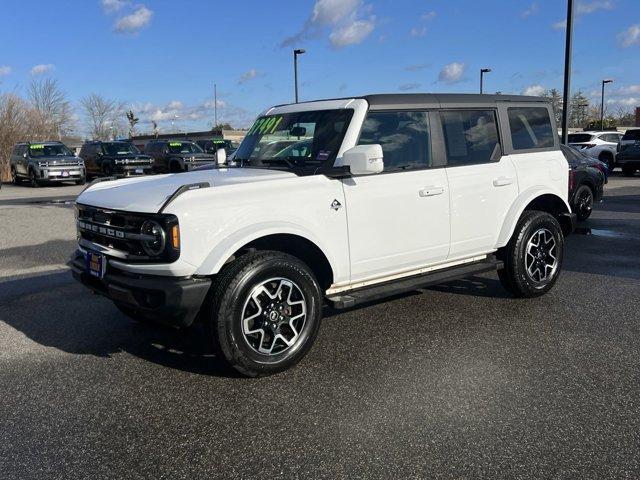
pixel 170 300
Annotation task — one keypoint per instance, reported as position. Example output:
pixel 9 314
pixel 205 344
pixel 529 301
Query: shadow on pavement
pixel 59 313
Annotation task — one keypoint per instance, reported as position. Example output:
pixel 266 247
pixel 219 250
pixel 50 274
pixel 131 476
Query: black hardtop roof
pixel 435 100
pixel 95 142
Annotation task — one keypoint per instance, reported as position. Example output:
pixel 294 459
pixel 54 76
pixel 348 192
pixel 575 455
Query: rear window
pixel 580 138
pixel 631 135
pixel 530 128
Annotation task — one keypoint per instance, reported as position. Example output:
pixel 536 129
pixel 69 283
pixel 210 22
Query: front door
pixel 398 220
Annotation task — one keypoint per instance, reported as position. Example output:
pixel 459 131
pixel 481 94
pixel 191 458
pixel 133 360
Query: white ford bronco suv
pixel 332 203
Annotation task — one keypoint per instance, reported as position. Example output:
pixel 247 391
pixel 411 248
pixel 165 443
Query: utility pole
pixel 215 105
pixel 568 49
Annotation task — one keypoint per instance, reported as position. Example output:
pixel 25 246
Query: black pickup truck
pixel 177 156
pixel 114 158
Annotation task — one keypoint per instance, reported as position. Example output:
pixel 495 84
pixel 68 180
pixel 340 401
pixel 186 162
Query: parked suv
pixel 115 158
pixel 600 145
pixel 631 137
pixel 43 162
pixel 385 194
pixel 177 156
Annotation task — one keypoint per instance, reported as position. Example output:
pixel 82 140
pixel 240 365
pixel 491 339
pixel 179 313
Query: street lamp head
pixel 608 80
pixel 485 70
pixel 299 51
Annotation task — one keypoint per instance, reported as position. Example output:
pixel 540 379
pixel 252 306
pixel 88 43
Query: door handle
pixel 502 181
pixel 431 191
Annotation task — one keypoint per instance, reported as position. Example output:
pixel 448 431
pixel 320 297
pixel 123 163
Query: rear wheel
pixel 533 257
pixel 628 171
pixel 264 312
pixel 583 202
pixel 108 170
pixel 82 181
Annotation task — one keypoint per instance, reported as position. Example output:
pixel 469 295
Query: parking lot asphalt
pixel 457 381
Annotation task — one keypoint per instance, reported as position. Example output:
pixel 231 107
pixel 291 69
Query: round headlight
pixel 154 247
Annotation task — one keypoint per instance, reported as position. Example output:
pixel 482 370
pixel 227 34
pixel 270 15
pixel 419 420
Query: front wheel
pixel 583 202
pixel 533 257
pixel 33 180
pixel 14 177
pixel 264 312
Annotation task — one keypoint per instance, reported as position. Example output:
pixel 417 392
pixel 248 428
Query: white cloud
pixel 630 36
pixel 141 17
pixel 343 18
pixel 42 68
pixel 4 70
pixel 629 90
pixel 534 90
pixel 248 75
pixel 405 87
pixel 352 33
pixel 586 7
pixel 110 6
pixel 452 72
pixel 418 31
pixel 175 105
pixel 625 102
pixel 532 10
pixel 417 67
pixel 425 17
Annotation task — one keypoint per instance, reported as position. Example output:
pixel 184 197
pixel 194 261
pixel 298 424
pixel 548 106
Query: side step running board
pixel 387 289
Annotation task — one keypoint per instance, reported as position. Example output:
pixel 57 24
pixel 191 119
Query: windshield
pixel 58 150
pixel 119 148
pixel 183 147
pixel 300 139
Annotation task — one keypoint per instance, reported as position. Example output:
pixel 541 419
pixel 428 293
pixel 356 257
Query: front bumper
pixel 129 170
pixel 622 161
pixel 170 300
pixel 60 174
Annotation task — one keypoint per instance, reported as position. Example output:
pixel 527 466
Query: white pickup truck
pixel 333 202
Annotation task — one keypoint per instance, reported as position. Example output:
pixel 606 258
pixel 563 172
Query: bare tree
pixel 52 113
pixel 105 117
pixel 15 117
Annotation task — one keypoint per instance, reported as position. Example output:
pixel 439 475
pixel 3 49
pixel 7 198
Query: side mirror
pixel 364 159
pixel 221 156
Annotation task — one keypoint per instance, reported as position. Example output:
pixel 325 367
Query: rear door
pixel 398 220
pixel 482 180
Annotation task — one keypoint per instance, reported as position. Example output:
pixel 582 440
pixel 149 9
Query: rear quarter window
pixel 530 128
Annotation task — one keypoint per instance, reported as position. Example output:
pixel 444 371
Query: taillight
pixel 572 180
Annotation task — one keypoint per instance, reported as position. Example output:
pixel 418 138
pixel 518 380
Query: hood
pixel 148 194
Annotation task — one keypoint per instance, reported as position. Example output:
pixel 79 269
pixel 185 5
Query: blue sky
pixel 162 57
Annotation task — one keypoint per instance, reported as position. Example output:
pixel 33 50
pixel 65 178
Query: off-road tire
pixel 33 180
pixel 224 307
pixel 514 276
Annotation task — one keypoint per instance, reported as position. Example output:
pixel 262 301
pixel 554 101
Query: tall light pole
pixel 296 52
pixel 482 72
pixel 604 82
pixel 215 105
pixel 567 72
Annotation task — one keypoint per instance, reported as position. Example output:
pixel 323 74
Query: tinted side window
pixel 530 128
pixel 471 136
pixel 632 135
pixel 404 137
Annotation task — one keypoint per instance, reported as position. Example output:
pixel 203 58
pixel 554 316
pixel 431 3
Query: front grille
pixel 113 230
